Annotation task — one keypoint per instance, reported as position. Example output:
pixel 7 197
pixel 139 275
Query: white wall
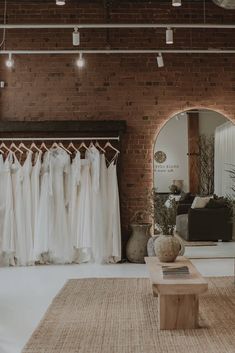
pixel 208 122
pixel 173 140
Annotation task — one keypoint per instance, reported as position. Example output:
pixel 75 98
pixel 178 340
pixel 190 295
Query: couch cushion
pixel 200 202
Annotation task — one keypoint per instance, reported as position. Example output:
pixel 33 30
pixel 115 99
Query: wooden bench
pixel 178 302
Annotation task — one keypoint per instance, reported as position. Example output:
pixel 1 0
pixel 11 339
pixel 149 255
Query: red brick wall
pixel 127 87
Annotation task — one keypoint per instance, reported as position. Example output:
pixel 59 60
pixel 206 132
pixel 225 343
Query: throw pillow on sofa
pixel 200 202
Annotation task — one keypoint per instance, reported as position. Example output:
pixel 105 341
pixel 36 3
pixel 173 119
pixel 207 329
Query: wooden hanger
pixel 3 145
pixel 33 145
pixel 108 144
pixel 83 145
pixel 71 145
pixel 98 145
pixel 13 145
pixel 22 145
pixel 44 146
pixel 64 148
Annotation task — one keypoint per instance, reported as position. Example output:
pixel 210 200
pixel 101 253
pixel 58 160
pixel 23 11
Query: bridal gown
pixel 35 191
pixel 9 226
pixel 114 226
pixel 42 222
pixel 60 240
pixel 83 231
pixel 2 203
pixel 27 208
pixel 93 155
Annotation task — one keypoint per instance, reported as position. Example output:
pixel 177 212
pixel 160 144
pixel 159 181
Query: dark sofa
pixel 203 224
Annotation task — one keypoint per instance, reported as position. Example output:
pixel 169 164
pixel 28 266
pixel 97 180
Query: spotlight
pixel 169 36
pixel 81 61
pixel 60 2
pixel 76 37
pixel 176 3
pixel 160 61
pixel 10 61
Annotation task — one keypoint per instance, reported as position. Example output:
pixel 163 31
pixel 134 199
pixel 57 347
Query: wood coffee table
pixel 178 302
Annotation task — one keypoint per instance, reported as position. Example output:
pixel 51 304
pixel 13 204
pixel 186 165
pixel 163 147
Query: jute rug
pixel 120 316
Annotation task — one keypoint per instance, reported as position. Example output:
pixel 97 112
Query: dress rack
pixel 117 138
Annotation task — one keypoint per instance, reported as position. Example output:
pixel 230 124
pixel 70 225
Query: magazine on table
pixel 175 272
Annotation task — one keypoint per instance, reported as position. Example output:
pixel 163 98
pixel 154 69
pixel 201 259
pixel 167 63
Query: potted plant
pixel 136 248
pixel 166 246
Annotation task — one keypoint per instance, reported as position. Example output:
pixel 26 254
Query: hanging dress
pixel 2 203
pixel 18 207
pixel 27 207
pixel 35 191
pixel 93 155
pixel 114 224
pixel 83 232
pixel 74 182
pixel 60 240
pixel 9 226
pixel 43 219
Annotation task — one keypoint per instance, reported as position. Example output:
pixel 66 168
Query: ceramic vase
pixel 136 248
pixel 168 247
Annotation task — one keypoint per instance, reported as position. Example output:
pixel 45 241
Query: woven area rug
pixel 120 316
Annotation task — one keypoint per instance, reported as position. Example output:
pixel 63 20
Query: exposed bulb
pixel 81 61
pixel 10 61
pixel 176 3
pixel 60 2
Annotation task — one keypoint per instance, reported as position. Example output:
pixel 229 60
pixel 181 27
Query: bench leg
pixel 178 312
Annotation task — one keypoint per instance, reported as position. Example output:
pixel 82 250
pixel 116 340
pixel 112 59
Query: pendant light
pixel 10 61
pixel 76 37
pixel 81 61
pixel 60 2
pixel 176 3
pixel 160 61
pixel 169 36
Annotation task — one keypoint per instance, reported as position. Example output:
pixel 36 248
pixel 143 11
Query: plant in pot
pixel 136 248
pixel 166 246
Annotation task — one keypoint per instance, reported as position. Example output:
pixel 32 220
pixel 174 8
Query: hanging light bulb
pixel 60 2
pixel 81 61
pixel 160 61
pixel 176 3
pixel 169 36
pixel 76 37
pixel 10 61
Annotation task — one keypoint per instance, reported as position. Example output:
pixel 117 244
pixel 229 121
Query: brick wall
pixel 127 87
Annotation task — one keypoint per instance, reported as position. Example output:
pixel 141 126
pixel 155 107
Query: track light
pixel 60 2
pixel 76 37
pixel 160 61
pixel 10 61
pixel 81 61
pixel 176 3
pixel 169 36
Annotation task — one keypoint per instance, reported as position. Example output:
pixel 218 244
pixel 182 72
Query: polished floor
pixel 26 292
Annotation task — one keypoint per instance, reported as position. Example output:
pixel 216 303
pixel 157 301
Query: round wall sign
pixel 160 157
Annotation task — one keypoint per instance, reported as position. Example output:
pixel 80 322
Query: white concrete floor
pixel 26 292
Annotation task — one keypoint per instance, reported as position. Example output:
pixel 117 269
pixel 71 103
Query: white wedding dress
pixel 35 191
pixel 9 226
pixel 60 240
pixel 114 226
pixel 43 220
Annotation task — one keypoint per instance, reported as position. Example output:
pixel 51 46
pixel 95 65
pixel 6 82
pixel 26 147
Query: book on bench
pixel 175 272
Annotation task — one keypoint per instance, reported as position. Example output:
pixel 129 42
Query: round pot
pixel 168 247
pixel 136 248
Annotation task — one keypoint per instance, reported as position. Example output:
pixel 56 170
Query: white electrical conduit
pixel 117 25
pixel 118 51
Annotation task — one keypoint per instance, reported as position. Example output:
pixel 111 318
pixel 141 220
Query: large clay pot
pixel 167 248
pixel 136 248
